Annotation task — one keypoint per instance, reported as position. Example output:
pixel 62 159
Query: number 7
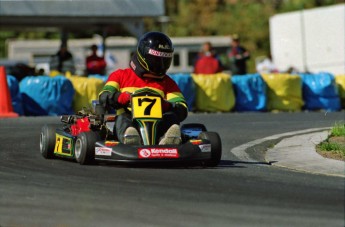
pixel 148 108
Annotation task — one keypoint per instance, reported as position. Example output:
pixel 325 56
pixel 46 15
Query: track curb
pixel 295 150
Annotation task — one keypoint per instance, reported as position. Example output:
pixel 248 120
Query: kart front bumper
pixel 187 152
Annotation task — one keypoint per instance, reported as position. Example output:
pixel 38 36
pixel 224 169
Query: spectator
pixel 207 61
pixel 62 61
pixel 238 57
pixel 94 63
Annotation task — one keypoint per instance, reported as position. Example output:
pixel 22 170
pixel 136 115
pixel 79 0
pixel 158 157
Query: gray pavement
pixel 297 151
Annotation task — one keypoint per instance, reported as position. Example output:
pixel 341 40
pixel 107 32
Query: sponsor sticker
pixel 205 147
pixel 160 54
pixel 158 153
pixel 133 65
pixel 104 151
pixel 111 143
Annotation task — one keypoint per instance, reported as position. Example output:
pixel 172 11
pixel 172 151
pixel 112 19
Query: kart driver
pixel 147 68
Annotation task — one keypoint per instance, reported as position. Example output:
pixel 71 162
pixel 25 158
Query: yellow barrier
pixel 340 81
pixel 213 92
pixel 86 90
pixel 55 73
pixel 284 92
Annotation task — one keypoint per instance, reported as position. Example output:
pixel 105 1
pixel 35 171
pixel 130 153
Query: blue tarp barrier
pixel 185 82
pixel 250 92
pixel 320 92
pixel 43 95
pixel 16 97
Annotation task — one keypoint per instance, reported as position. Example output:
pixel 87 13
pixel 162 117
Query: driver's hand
pixel 124 98
pixel 166 106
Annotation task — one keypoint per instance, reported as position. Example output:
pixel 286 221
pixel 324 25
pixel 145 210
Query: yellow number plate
pixel 63 145
pixel 147 107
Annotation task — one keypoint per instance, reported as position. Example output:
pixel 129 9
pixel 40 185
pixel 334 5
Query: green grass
pixel 338 129
pixel 330 149
pixel 327 146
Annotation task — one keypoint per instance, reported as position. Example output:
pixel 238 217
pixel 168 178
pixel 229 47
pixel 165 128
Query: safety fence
pixel 67 94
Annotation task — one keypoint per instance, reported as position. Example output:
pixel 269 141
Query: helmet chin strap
pixel 140 71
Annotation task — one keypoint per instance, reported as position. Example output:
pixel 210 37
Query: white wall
pixel 311 40
pixel 286 41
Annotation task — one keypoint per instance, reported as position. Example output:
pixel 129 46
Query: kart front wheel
pixel 85 147
pixel 47 141
pixel 216 147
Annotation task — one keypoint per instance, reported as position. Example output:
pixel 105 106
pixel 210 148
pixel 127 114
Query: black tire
pixel 47 141
pixel 216 147
pixel 85 147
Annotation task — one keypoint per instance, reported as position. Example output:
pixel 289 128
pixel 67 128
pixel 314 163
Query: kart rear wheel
pixel 47 141
pixel 85 147
pixel 216 147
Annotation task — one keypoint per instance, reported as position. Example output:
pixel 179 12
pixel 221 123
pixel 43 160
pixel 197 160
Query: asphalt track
pixel 240 192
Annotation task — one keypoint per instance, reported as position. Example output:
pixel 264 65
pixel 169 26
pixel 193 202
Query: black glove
pixel 107 100
pixel 166 106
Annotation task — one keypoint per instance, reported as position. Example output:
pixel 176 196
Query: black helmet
pixel 155 53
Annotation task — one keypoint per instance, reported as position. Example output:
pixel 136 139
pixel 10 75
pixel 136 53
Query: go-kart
pixel 89 137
